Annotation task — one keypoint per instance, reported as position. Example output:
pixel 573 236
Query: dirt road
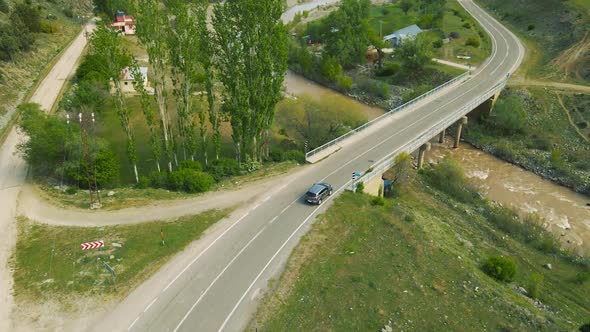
pixel 13 170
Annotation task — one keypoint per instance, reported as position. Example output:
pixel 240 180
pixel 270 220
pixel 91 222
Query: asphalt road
pixel 218 288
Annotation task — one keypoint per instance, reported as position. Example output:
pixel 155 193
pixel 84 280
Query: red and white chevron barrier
pixel 92 245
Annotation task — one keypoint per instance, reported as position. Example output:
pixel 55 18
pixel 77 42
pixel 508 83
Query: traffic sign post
pixel 112 271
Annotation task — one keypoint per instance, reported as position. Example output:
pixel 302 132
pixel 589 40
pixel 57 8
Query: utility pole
pixel 90 166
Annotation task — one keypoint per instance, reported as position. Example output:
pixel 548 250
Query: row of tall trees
pixel 237 59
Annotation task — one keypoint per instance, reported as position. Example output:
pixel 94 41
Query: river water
pixel 564 211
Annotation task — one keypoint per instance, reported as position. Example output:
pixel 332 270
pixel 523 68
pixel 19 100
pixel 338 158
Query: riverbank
pixel 563 211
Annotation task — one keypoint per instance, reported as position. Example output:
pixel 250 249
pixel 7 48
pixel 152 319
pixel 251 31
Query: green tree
pixel 330 68
pixel 49 140
pixel 106 45
pixel 406 5
pixel 508 116
pixel 183 46
pixel 415 53
pixel 251 55
pixel 28 15
pixel 348 33
pixel 206 52
pixel 149 114
pixel 402 172
pixel 152 31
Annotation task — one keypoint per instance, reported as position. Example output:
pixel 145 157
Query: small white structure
pixel 397 37
pixel 128 82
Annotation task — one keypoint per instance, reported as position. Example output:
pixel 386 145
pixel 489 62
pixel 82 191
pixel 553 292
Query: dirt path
pixel 569 117
pixel 549 84
pixel 38 209
pixel 13 171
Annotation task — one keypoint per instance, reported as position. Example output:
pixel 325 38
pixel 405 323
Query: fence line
pixel 385 115
pixel 388 161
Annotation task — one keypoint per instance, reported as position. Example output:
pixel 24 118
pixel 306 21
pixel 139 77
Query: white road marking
pixel 273 219
pixel 266 199
pixel 131 326
pixel 149 305
pixel 204 251
pixel 270 261
pixel 217 278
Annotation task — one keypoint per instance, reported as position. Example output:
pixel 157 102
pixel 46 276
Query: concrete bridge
pixel 417 122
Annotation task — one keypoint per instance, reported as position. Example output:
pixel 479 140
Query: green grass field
pixel 415 262
pixel 49 264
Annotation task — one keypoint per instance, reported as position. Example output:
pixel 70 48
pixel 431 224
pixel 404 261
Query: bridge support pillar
pixel 460 123
pixel 421 153
pixel 441 136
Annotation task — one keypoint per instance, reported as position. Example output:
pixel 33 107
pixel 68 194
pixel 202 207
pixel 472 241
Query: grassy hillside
pixel 551 28
pixel 414 264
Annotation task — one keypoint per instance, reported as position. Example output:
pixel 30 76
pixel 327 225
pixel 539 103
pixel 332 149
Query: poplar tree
pixel 149 114
pixel 250 44
pixel 151 32
pixel 112 58
pixel 183 43
pixel 206 52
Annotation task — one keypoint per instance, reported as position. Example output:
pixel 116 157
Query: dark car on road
pixel 318 193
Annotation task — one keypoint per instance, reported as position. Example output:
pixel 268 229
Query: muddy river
pixel 564 211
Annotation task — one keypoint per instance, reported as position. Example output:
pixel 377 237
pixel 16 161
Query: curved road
pixel 217 287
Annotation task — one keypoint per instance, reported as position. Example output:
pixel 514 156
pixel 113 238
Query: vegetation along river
pixel 565 212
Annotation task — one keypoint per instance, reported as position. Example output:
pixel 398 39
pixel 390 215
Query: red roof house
pixel 124 23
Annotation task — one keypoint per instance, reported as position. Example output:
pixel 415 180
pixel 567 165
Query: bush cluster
pixel 188 178
pixel 500 268
pixel 294 155
pixel 472 41
pixel 448 177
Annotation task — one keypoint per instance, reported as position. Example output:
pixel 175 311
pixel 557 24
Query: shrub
pixel 198 182
pixel 159 180
pixel 437 43
pixel 190 180
pixel 68 12
pixel 378 201
pixel 375 88
pixel 344 83
pixel 71 190
pixel 500 268
pixel 531 27
pixel 389 69
pixel 190 164
pixel 4 6
pixel 472 41
pixel 409 218
pixel 467 25
pixel 48 27
pixel 454 35
pixel 144 182
pixel 360 188
pixel 448 177
pixel 294 155
pixel 223 167
pixel 534 285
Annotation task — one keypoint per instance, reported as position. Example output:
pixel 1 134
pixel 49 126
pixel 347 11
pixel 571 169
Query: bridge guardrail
pixel 385 115
pixel 388 161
